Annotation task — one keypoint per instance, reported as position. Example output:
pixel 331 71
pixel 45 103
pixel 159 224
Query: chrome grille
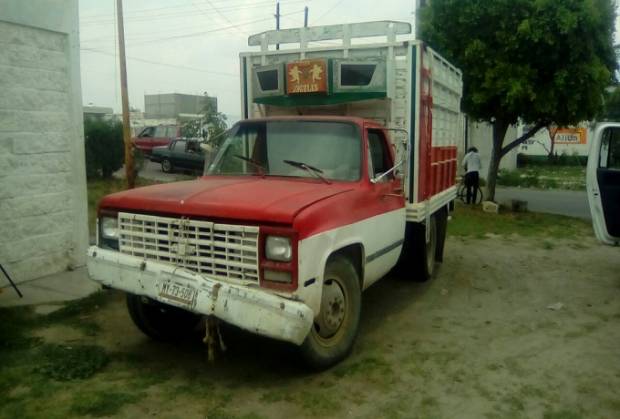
pixel 218 250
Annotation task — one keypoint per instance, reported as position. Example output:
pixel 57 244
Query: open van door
pixel 603 182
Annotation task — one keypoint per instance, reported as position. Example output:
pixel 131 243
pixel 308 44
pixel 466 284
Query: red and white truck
pixel 342 168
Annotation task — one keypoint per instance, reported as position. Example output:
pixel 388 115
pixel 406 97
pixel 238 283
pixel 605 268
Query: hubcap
pixel 166 165
pixel 333 309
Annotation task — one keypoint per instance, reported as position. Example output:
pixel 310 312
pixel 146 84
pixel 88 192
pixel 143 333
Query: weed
pixel 545 177
pixel 472 222
pixel 275 396
pixel 318 403
pixel 547 245
pixel 64 363
pixel 562 414
pixel 364 366
pixel 219 413
pixel 102 403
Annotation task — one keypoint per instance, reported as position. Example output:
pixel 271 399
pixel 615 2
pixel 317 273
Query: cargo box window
pixel 268 79
pixel 356 74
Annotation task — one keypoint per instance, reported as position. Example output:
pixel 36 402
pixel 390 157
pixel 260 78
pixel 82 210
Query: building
pixel 480 135
pixel 43 205
pixel 572 141
pixel 97 113
pixel 175 105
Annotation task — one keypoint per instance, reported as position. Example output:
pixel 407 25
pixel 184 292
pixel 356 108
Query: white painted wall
pixel 43 205
pixel 480 135
pixel 540 143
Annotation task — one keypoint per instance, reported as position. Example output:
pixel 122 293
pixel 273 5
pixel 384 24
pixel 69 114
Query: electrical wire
pixel 328 11
pixel 144 60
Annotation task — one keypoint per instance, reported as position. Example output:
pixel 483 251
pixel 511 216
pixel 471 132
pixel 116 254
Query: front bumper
pixel 252 309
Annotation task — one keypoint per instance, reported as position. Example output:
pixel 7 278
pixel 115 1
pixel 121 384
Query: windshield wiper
pixel 260 167
pixel 310 169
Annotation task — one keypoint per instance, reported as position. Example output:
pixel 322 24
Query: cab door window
pixel 379 160
pixel 610 150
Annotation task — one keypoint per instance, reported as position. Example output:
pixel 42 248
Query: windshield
pixel 261 148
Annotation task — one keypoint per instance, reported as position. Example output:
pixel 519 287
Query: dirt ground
pixel 478 341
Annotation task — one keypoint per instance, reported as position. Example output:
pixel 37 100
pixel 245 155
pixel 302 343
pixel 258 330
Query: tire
pixel 417 259
pixel 480 196
pixel 442 228
pixel 166 166
pixel 161 321
pixel 335 328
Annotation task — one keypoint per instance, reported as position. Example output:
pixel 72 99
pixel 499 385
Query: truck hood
pixel 272 200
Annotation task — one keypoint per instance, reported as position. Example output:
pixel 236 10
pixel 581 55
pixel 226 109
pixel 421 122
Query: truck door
pixel 603 183
pixel 387 239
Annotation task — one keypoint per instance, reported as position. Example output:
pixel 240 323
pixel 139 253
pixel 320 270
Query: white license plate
pixel 177 292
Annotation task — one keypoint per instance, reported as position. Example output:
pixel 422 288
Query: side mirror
pixel 384 174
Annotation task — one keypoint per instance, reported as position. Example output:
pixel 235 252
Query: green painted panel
pixel 318 100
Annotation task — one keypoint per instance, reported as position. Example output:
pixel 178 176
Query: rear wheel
pixel 442 228
pixel 166 166
pixel 335 327
pixel 418 257
pixel 161 321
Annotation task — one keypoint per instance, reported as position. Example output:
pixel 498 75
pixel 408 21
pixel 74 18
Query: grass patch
pixel 545 177
pixel 65 363
pixel 364 366
pixel 473 222
pixel 102 403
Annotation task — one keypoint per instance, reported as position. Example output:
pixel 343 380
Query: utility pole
pixel 306 17
pixel 277 20
pixel 129 171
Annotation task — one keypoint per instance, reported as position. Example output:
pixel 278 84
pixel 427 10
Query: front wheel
pixel 335 328
pixel 161 321
pixel 166 166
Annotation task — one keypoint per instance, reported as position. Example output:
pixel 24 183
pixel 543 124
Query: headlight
pixel 278 248
pixel 109 227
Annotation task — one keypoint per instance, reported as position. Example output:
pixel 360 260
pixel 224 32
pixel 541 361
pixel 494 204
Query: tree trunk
pixel 499 132
pixel 552 132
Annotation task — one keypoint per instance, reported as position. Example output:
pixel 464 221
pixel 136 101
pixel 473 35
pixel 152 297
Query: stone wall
pixel 43 213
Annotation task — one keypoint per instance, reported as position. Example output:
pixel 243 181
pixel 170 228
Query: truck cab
pixel 342 169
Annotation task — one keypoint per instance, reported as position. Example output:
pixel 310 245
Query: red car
pixel 156 136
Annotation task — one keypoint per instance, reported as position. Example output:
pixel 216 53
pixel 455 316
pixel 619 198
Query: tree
pixel 535 61
pixel 211 120
pixel 553 131
pixel 104 147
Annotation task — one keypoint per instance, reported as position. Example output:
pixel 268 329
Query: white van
pixel 603 182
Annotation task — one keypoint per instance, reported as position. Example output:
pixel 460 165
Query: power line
pixel 144 60
pixel 328 11
pixel 190 35
pixel 223 16
pixel 179 14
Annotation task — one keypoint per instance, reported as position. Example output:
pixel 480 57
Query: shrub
pixel 104 146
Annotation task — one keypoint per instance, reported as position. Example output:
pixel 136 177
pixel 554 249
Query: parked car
pixel 155 136
pixel 182 154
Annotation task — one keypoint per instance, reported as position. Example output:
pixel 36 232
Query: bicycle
pixel 461 192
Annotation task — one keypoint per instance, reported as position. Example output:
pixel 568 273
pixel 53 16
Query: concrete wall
pixel 540 143
pixel 43 205
pixel 480 135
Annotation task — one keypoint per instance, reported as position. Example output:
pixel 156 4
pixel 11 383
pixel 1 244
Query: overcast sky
pixel 193 46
